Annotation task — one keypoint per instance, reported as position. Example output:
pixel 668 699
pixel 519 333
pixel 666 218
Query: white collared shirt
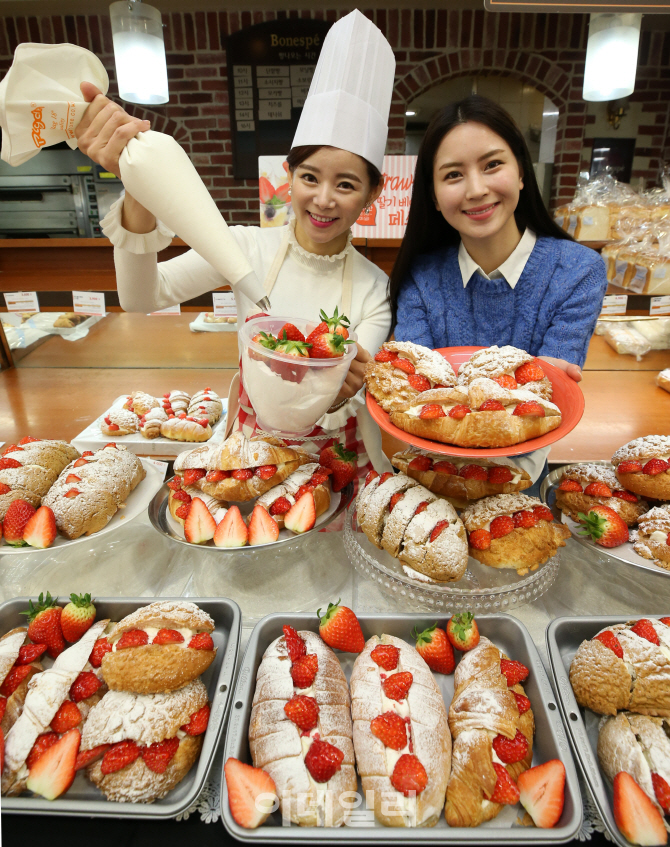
pixel 510 270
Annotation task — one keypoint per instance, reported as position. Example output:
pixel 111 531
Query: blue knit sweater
pixel 552 311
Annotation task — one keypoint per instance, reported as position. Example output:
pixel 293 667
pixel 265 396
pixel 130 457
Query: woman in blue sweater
pixel 482 262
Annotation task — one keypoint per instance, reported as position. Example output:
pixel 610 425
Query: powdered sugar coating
pixel 492 361
pixel 166 614
pixel 647 447
pixel 150 424
pixel 655 520
pixel 289 486
pixel 482 512
pixel 586 473
pixel 126 420
pixel 427 362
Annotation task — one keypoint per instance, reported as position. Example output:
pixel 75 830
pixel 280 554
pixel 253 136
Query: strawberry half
pixel 390 729
pixel 409 776
pixel 54 771
pixel 199 526
pixel 251 793
pixel 301 517
pixel 635 814
pixel 263 528
pixel 303 711
pixel 323 760
pixel 231 531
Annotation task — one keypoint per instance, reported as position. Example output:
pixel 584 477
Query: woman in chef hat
pixel 335 169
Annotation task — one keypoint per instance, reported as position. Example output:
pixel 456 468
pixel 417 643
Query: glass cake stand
pixel 481 589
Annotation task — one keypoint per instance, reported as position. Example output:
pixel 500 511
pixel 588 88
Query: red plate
pixel 567 396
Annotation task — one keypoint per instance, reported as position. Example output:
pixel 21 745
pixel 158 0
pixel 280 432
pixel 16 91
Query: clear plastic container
pixel 289 395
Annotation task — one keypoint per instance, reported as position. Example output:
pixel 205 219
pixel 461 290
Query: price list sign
pixel 270 68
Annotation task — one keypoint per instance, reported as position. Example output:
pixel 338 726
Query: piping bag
pixel 41 105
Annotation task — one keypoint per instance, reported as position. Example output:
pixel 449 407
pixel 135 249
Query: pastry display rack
pixel 481 589
pixel 550 743
pixel 624 553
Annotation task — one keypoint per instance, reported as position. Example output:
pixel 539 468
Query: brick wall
pixel 545 50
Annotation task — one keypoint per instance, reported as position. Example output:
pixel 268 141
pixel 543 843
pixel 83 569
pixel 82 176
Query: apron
pixel 241 415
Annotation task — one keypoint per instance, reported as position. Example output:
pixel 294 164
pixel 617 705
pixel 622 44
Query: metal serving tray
pixel 564 635
pixel 550 742
pixel 83 798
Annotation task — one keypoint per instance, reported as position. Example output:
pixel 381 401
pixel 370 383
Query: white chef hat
pixel 350 96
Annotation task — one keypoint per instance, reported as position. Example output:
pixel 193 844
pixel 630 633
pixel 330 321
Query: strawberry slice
pixel 301 517
pixel 251 792
pixel 409 776
pixel 263 528
pixel 598 489
pixel 201 641
pixel 323 760
pixel 67 717
pixel 529 372
pixel 491 406
pixel 662 792
pixel 119 756
pixel 522 702
pixel 41 529
pixel 30 653
pixel 397 685
pixel 479 539
pixel 198 721
pixel 14 678
pixel 231 531
pixel 645 629
pixel 87 757
pixel 404 365
pixel 431 411
pixel 514 672
pixel 419 463
pixel 499 475
pixel 192 475
pixel 542 792
pixel 386 656
pixel 199 526
pixel 630 466
pixel 505 792
pixel 390 729
pixel 55 770
pixel 635 814
pixel 295 645
pixel 168 636
pixel 511 750
pixel 529 409
pixel 157 756
pixel 445 467
pixel 570 485
pixel 265 471
pixel 386 356
pixel 459 412
pixel 304 669
pixel 418 382
pixel 280 506
pixel 303 711
pixel 609 639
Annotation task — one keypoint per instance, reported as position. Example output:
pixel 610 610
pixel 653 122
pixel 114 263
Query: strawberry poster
pixel 273 191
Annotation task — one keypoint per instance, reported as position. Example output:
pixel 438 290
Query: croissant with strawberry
pixel 587 485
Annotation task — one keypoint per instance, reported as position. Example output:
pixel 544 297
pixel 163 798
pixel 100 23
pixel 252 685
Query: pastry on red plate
pixel 584 486
pixel 512 531
pixel 653 536
pixel 643 466
pixel 510 367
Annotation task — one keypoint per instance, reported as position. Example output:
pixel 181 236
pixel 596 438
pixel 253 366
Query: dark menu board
pixel 270 68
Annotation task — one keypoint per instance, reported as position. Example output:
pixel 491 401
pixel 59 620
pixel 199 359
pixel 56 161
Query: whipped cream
pixel 659 537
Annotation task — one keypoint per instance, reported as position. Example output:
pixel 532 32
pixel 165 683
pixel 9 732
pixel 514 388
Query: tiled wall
pixel 543 50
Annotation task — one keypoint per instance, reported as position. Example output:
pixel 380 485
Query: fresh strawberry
pixel 390 729
pixel 9 463
pixel 342 462
pixel 525 519
pixel 100 649
pixel 395 499
pixel 77 617
pixel 303 670
pixel 435 649
pixel 182 496
pixel 329 345
pixel 336 323
pixel 662 792
pixel 84 686
pixel 291 332
pixel 304 489
pixel 72 478
pixel 280 506
pixel 628 496
pixel 265 471
pixel 598 489
pixel 295 645
pixel 13 679
pixel 473 472
pixel 609 639
pixel 263 528
pixel 409 775
pixel 55 771
pixel 386 356
pixel 505 792
pixel 459 412
pixel 67 717
pixel 80 463
pixel 157 756
pixel 386 656
pixel 42 744
pixel 119 756
pixel 529 372
pixel 87 757
pixel 419 383
pixel 264 340
pixel 499 475
pixel 231 531
pixel 4 489
pixel 635 814
pixel 506 381
pixel 303 711
pixel 666 621
pixel 384 477
pixel 404 365
pixel 132 638
pixel 437 531
pixel 543 513
pixel 265 190
pixel 340 629
pixel 491 406
pixel 198 721
pixel 445 467
pixel 192 475
pixel 289 369
pixel 323 760
pixel 501 526
pixel 604 526
pixel 420 463
pixel 30 653
pixel 629 466
pixel 463 632
pixel 16 519
pixel 511 750
pixel 201 641
pixel 11 448
pixel 645 629
pixel 28 439
pixel 397 685
pixel 320 475
pixel 514 672
pixel 44 624
pixel 301 517
pixel 242 474
pixel 199 526
pixel 251 793
pixel 530 409
pixel 168 636
pixel 522 702
pixel 73 492
pixel 216 476
pixel 480 539
pixel 655 467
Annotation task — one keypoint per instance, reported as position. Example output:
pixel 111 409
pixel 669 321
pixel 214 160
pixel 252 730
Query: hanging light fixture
pixel 139 52
pixel 611 56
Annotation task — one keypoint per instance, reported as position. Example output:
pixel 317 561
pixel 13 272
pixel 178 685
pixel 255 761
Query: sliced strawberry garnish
pixel 459 412
pixel 265 471
pixel 404 365
pixel 39 748
pixel 409 776
pixel 598 489
pixel 629 466
pixel 30 653
pixel 9 463
pixel 13 679
pixel 192 475
pixel 168 636
pixel 390 729
pixel 544 513
pixel 628 496
pixel 662 792
pixel 491 406
pixel 505 792
pixel 280 506
pixel 437 530
pixel 87 757
pixel 132 638
pixel 119 756
pixel 499 475
pixel 570 485
pixel 522 702
pixel 198 721
pixel 295 645
pixel 174 484
pixel 655 467
pixel 473 472
pixel 514 672
pixel 645 629
pixel 217 476
pixel 303 711
pixel 386 656
pixel 445 467
pixel 323 760
pixel 511 750
pixel 201 641
pixel 431 411
pixel 418 382
pixel 423 505
pixel 529 409
pixel 420 463
pixel 528 372
pixel 303 670
pixel 157 756
pixel 501 526
pixel 100 649
pixel 67 717
pixel 396 497
pixel 386 356
pixel 479 539
pixel 397 685
pixel 242 474
pixel 84 686
pixel 609 639
pixel 525 519
pixel 506 381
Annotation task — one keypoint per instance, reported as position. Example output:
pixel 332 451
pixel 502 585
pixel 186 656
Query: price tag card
pixel 89 303
pixel 169 310
pixel 615 304
pixel 659 305
pixel 26 301
pixel 224 304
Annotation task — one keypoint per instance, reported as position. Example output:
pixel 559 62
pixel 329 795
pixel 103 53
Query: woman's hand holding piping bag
pixel 102 135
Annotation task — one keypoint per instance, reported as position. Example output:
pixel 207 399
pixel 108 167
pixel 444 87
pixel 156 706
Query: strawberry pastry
pixel 509 367
pixel 118 422
pixel 183 427
pixel 643 466
pixel 140 402
pixel 653 536
pixel 204 404
pixel 401 734
pixel 150 424
pixel 584 486
pixel 310 478
pixel 28 469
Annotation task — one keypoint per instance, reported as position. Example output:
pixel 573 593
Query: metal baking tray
pixel 550 741
pixel 564 635
pixel 83 798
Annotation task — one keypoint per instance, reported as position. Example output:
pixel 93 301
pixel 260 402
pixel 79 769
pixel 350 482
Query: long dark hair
pixel 426 229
